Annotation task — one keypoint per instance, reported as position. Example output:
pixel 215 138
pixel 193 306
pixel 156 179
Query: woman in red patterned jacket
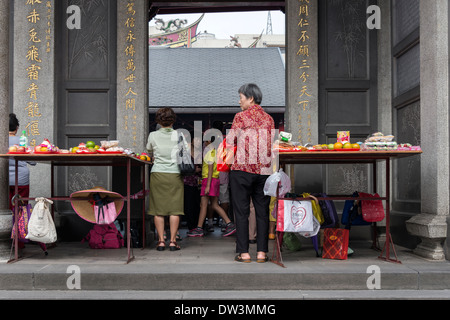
pixel 254 131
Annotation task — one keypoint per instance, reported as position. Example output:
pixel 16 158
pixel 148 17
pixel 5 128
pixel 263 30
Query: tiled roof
pixel 211 77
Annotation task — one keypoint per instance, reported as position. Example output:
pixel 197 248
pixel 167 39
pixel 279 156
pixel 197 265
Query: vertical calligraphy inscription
pixel 34 59
pixel 303 53
pixel 130 118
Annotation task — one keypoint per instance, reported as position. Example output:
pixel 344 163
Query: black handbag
pixel 184 159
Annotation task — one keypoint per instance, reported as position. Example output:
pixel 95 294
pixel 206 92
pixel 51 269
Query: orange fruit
pixel 338 145
pixel 355 146
pixel 43 149
pixel 347 145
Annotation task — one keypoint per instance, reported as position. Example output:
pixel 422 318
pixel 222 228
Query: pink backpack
pixel 104 236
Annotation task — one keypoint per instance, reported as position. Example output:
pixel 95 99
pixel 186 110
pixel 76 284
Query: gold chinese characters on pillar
pixel 39 15
pixel 303 54
pixel 130 118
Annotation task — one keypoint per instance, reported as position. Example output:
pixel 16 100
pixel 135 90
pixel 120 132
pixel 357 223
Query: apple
pixel 37 148
pixel 21 149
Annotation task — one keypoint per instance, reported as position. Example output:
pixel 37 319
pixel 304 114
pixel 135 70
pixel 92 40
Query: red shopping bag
pixel 335 245
pixel 225 156
pixel 372 210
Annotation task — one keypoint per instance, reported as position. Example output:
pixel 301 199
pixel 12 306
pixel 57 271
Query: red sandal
pixel 175 246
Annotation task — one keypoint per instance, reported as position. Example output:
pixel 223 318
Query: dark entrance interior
pixel 86 78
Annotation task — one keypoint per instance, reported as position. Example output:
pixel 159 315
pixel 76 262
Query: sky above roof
pixel 227 24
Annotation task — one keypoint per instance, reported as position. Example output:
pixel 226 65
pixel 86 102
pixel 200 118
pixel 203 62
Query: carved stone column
pixel 302 70
pixel 132 78
pixel 431 224
pixel 5 213
pixel 302 81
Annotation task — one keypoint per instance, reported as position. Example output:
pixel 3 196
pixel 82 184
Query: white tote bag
pixel 294 216
pixel 41 227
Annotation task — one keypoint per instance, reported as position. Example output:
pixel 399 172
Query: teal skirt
pixel 166 194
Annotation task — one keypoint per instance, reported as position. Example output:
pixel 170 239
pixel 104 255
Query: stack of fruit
pixel 143 156
pixel 346 146
pixel 338 146
pixel 46 147
pixel 88 147
pixel 18 149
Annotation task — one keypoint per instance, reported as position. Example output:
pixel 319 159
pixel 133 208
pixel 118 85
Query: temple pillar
pixel 132 75
pixel 34 82
pixel 431 225
pixel 5 213
pixel 132 84
pixel 302 70
pixel 302 83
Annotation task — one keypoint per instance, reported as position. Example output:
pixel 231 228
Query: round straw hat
pixel 83 202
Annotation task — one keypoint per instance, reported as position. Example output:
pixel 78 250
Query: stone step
pixel 208 264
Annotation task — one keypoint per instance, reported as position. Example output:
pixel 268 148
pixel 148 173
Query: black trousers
pixel 244 185
pixel 191 206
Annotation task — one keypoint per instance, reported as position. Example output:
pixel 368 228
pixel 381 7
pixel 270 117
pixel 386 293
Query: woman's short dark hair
pixel 251 90
pixel 165 117
pixel 13 122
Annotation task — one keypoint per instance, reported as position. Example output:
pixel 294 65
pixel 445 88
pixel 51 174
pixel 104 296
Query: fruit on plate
pixel 90 144
pixel 338 145
pixel 144 157
pixel 331 146
pixel 83 148
pixel 13 148
pixel 347 145
pixel 46 146
pixel 355 146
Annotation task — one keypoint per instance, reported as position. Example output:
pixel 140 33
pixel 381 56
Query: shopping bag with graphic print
pixel 22 222
pixel 294 216
pixel 335 244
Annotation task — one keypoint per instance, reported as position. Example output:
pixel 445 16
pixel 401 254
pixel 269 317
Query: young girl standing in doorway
pixel 210 193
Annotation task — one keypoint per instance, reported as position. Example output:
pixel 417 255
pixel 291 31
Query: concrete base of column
pixel 5 236
pixel 432 230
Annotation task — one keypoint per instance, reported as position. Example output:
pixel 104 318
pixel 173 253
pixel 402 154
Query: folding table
pixel 72 159
pixel 354 157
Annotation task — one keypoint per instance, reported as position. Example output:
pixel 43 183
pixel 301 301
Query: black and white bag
pixel 184 159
